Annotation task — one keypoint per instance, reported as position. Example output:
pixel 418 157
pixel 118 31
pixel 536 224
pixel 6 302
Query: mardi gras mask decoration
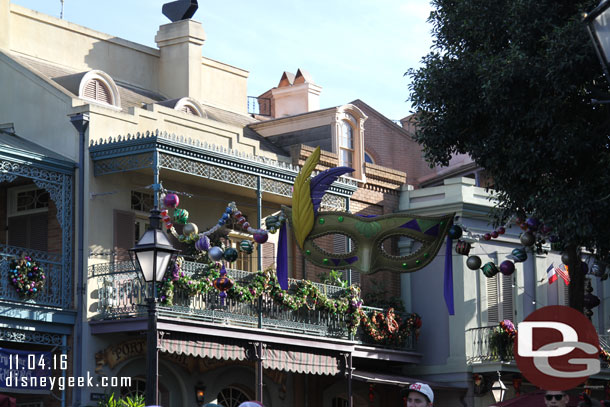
pixel 367 234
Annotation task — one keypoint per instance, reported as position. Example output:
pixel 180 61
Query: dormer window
pixel 97 86
pixel 185 105
pixel 190 106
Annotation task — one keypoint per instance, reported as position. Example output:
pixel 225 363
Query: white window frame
pixel 12 201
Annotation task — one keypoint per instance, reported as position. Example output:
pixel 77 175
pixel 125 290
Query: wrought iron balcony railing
pixel 121 293
pixel 486 344
pixel 57 290
pixel 259 106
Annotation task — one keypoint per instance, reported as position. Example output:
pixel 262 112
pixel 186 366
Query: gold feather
pixel 302 207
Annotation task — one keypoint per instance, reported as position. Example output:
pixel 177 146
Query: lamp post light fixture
pixel 153 253
pixel 598 25
pixel 200 393
pixel 498 389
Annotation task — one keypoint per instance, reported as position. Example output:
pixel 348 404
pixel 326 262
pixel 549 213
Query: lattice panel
pixel 22 336
pixel 122 164
pixel 276 187
pixel 207 171
pixel 333 203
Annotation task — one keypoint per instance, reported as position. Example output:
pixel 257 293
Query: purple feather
pixel 321 182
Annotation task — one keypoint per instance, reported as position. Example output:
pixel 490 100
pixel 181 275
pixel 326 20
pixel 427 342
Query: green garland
pixel 304 295
pixel 390 329
pixel 27 277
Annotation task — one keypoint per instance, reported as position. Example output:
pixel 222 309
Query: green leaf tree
pixel 510 82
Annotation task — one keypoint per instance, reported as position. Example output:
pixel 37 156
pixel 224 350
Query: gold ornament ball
pixel 189 229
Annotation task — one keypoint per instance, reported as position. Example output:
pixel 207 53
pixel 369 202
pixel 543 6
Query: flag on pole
pixel 551 275
pixel 562 271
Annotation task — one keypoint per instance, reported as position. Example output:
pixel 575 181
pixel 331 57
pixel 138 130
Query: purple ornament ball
pixel 171 200
pixel 261 237
pixel 203 244
pixel 507 267
pixel 532 223
pixel 215 253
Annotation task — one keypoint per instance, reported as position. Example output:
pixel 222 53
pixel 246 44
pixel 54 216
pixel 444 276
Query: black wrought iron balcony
pixel 118 292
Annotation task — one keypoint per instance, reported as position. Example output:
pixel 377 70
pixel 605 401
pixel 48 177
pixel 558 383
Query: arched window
pixel 138 388
pixel 96 90
pixel 231 397
pixel 368 158
pixel 99 87
pixel 190 106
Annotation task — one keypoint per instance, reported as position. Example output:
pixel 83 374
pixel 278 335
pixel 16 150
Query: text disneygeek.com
pixel 61 383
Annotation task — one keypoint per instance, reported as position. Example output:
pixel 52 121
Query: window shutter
pixel 268 255
pixel 500 299
pixel 29 231
pixel 507 297
pixel 96 90
pixel 102 93
pixel 124 234
pixel 89 91
pixel 493 314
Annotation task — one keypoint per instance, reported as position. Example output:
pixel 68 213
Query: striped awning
pixel 300 361
pixel 290 359
pixel 198 346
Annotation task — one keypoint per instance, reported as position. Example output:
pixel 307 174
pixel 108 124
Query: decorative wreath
pixel 26 276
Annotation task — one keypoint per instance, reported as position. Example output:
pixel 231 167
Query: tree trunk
pixel 576 289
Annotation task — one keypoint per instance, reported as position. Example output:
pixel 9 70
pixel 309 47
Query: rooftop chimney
pixel 294 94
pixel 180 44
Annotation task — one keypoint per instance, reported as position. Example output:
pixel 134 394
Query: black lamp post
pixel 154 253
pixel 598 25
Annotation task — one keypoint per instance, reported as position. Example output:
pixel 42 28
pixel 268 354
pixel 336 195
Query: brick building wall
pixel 391 145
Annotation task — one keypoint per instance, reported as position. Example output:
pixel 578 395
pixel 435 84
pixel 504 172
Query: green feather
pixel 302 206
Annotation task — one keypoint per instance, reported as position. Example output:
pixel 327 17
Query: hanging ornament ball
pixel 462 247
pixel 190 229
pixel 171 200
pixel 271 221
pixel 566 258
pixel 455 232
pixel 181 216
pixel 215 253
pixel 490 269
pixel 203 244
pixel 473 262
pixel 527 239
pixel 501 230
pixel 532 223
pixel 487 236
pixel 261 236
pixel 246 246
pixel 519 254
pixel 495 234
pixel 507 267
pixel 231 254
pixel 598 268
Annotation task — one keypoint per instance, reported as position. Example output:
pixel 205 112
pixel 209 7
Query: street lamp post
pixel 598 25
pixel 498 389
pixel 153 253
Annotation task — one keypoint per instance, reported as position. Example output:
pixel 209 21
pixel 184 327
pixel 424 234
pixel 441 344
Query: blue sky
pixel 356 49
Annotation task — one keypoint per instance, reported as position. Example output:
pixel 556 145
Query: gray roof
pixel 16 146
